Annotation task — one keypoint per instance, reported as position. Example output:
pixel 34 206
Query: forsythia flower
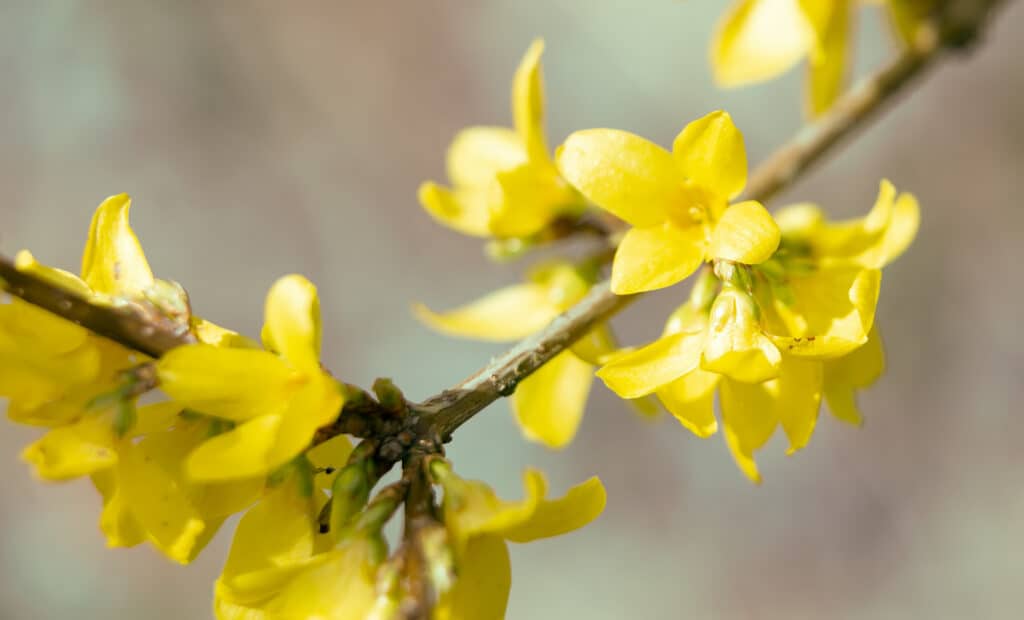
pixel 277 398
pixel 53 371
pixel 549 404
pixel 760 39
pixel 801 324
pixel 504 182
pixel 479 523
pixel 139 475
pixel 678 203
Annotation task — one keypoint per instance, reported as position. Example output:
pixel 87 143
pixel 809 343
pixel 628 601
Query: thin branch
pixel 128 324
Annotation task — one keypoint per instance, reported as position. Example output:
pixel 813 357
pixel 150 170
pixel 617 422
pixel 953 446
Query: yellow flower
pixel 277 398
pixel 675 367
pixel 549 404
pixel 480 523
pixel 759 39
pixel 678 203
pixel 805 327
pixel 504 183
pixel 51 368
pixel 139 476
pixel 279 568
pixel 872 241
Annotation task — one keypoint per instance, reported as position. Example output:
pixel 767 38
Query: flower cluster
pixel 781 314
pixel 760 39
pixel 236 430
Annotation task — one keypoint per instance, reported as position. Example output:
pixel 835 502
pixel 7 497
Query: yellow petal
pixel 72 451
pixel 846 374
pixel 26 263
pixel 651 258
pixel 758 40
pixel 509 313
pixel 155 417
pixel 899 232
pixel 277 531
pixel 292 324
pixel 622 173
pixel 528 102
pixel 465 211
pixel 482 588
pixel 596 345
pixel 640 372
pixel 235 384
pixel 690 399
pixel 333 454
pixel 828 65
pixel 160 505
pixel 478 154
pixel 833 311
pixel 748 419
pixel 581 504
pixel 797 394
pixel 746 233
pixel 341 586
pixel 117 522
pixel 113 262
pixel 710 153
pixel 243 452
pixel 549 404
pixel 531 196
pixel 735 345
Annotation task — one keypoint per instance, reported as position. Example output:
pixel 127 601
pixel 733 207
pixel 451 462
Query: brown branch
pixel 127 324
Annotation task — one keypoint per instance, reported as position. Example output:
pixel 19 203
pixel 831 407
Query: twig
pixel 127 324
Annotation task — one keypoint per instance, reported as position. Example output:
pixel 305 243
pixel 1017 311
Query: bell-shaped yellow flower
pixel 277 398
pixel 139 475
pixel 672 367
pixel 51 368
pixel 549 404
pixel 678 203
pixel 479 524
pixel 279 569
pixel 504 183
pixel 760 39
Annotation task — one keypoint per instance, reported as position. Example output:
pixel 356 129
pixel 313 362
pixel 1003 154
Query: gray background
pixel 292 136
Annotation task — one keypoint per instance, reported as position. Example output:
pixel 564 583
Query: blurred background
pixel 291 137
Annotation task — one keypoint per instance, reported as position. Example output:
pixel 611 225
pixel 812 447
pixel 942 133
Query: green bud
pixel 388 395
pixel 125 416
pixel 704 289
pixel 505 250
pixel 349 492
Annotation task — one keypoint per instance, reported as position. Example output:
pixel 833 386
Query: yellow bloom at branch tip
pixel 678 202
pixel 479 523
pixel 278 399
pixel 504 184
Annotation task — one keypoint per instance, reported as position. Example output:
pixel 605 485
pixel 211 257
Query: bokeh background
pixel 263 138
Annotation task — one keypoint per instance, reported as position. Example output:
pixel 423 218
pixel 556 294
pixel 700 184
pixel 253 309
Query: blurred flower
pixel 773 340
pixel 549 404
pixel 145 496
pixel 504 182
pixel 759 39
pixel 277 398
pixel 280 568
pixel 480 523
pixel 678 203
